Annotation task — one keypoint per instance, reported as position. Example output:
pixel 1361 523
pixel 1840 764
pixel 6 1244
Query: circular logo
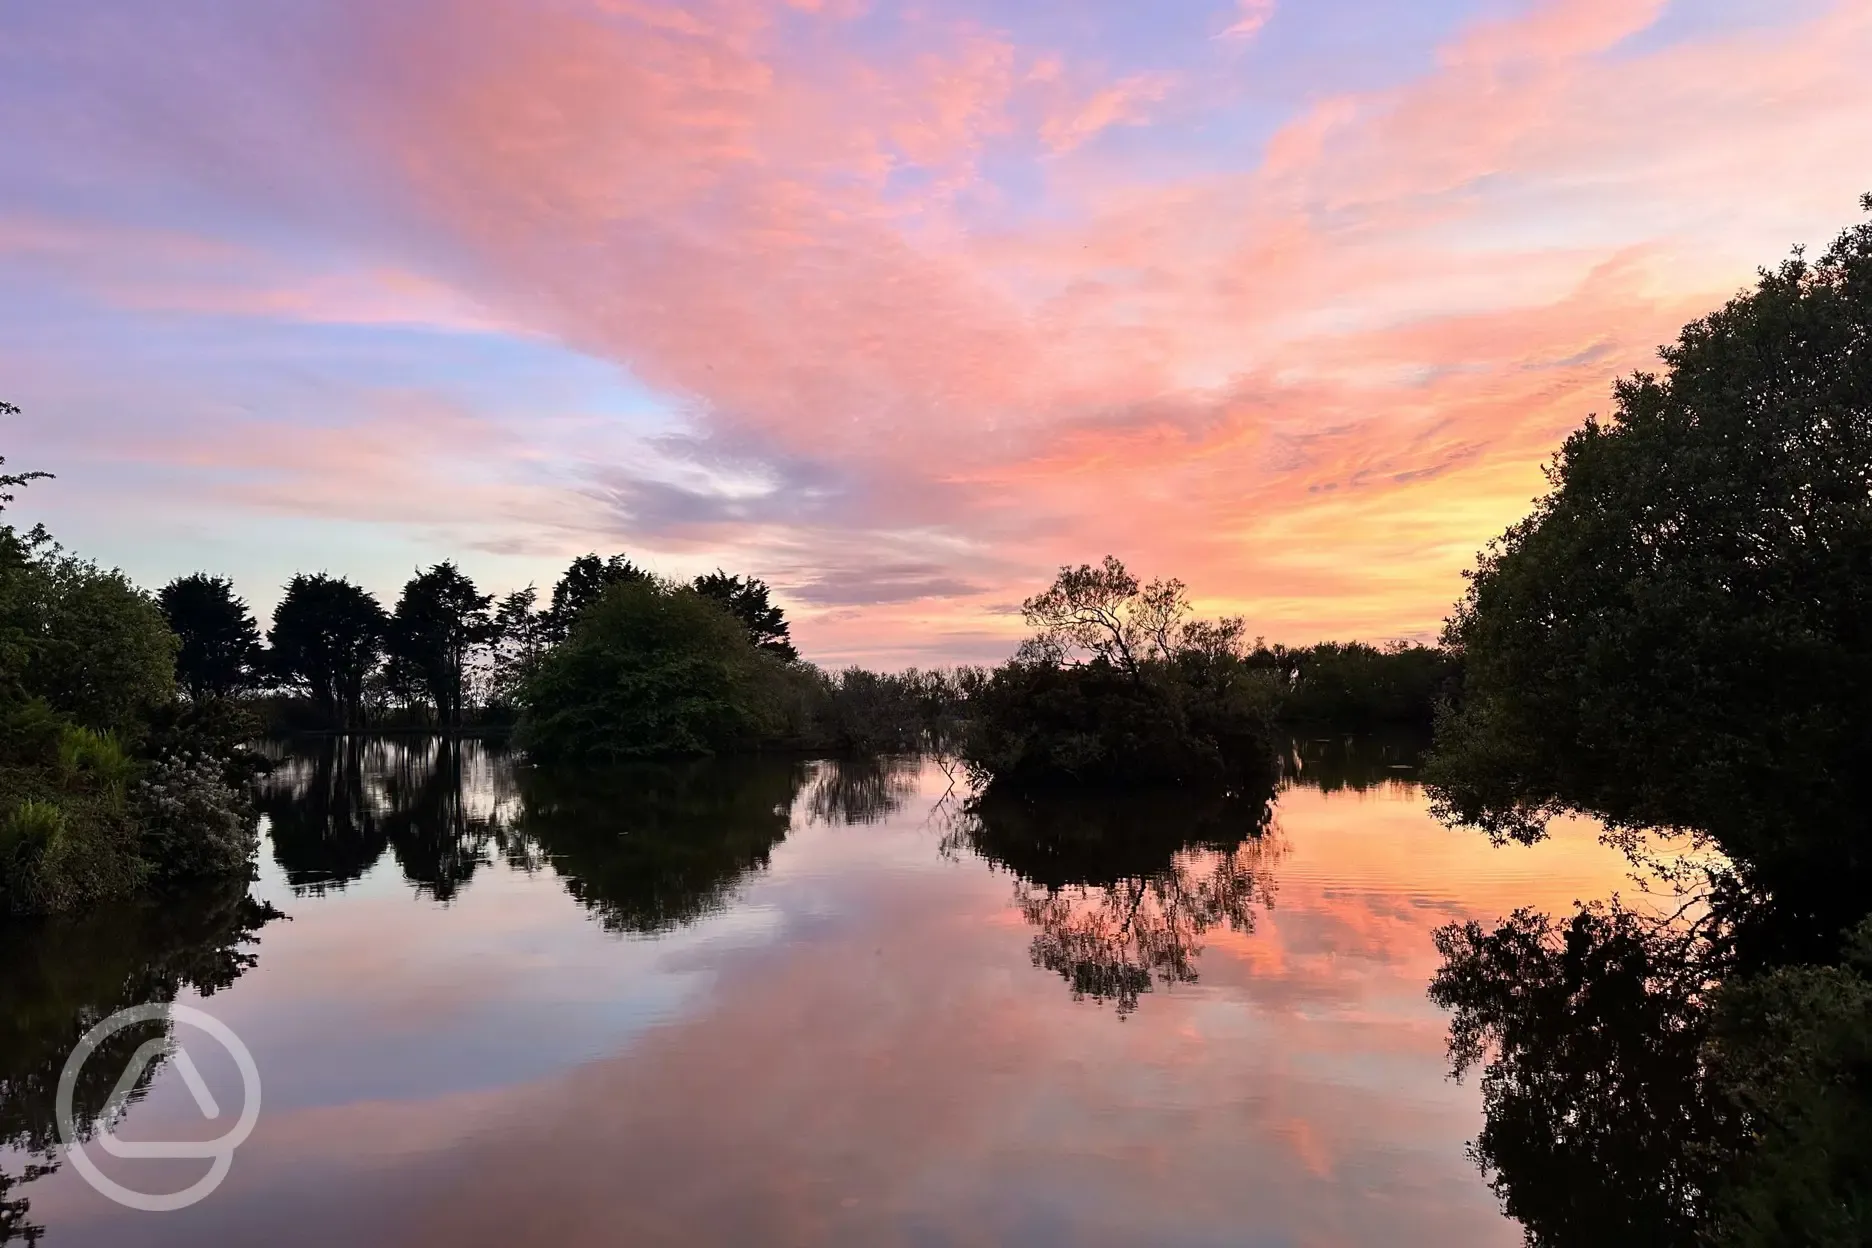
pixel 220 1153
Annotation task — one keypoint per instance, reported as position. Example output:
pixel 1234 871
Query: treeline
pixel 683 667
pixel 444 656
pixel 1122 686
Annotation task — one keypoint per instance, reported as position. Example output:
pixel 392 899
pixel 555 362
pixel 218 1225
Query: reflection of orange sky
pixel 875 1061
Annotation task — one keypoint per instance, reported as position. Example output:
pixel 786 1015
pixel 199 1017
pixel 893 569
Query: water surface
pixel 773 1001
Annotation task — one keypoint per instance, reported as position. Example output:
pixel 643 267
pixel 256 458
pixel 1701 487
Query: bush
pixel 33 829
pixel 85 754
pixel 1035 724
pixel 649 669
pixel 64 853
pixel 103 653
pixel 1354 685
pixel 193 825
pixel 867 712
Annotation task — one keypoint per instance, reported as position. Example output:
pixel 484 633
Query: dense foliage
pixel 439 624
pixel 649 668
pixel 1679 638
pixel 1351 685
pixel 326 640
pixel 1681 632
pixel 1118 688
pixel 585 581
pixel 91 742
pixel 747 600
pixel 219 641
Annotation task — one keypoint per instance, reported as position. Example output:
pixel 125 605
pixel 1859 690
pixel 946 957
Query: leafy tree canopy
pixel 220 643
pixel 1117 688
pixel 327 636
pixel 1681 632
pixel 439 622
pixel 651 668
pixel 1105 613
pixel 87 641
pixel 11 480
pixel 747 600
pixel 584 582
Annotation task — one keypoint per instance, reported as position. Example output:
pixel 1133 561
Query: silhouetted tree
pixel 10 480
pixel 1116 687
pixel 747 600
pixel 1090 614
pixel 584 582
pixel 1681 632
pixel 522 635
pixel 220 641
pixel 327 636
pixel 439 622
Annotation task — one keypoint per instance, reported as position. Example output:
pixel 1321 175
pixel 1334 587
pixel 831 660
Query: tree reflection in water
pixel 336 805
pixel 1598 1127
pixel 651 846
pixel 63 975
pixel 1385 759
pixel 860 790
pixel 1123 887
pixel 1656 1079
pixel 644 846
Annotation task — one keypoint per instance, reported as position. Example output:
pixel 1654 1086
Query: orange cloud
pixel 1311 374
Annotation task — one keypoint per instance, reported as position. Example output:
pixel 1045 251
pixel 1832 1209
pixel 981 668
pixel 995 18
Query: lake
pixel 786 1002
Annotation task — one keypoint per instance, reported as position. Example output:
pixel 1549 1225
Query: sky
pixel 899 306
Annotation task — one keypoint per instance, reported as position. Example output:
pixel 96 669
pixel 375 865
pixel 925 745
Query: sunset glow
pixel 898 306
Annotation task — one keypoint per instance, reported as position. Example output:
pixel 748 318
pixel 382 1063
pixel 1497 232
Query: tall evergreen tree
pixel 521 639
pixel 584 583
pixel 747 600
pixel 440 621
pixel 220 641
pixel 327 636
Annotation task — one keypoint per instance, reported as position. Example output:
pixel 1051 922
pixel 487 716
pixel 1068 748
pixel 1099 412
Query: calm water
pixel 798 1003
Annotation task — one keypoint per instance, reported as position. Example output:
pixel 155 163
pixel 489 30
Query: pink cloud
pixel 1311 377
pixel 1252 15
pixel 1124 103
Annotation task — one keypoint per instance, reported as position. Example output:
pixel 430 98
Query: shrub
pixel 1035 724
pixel 85 753
pixel 192 824
pixel 1353 685
pixel 65 854
pixel 103 653
pixel 31 830
pixel 30 731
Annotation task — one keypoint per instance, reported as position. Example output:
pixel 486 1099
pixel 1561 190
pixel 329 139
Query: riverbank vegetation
pixel 1679 638
pixel 108 785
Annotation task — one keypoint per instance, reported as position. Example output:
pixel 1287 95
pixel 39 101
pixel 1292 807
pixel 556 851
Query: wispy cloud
pixel 922 328
pixel 1251 16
